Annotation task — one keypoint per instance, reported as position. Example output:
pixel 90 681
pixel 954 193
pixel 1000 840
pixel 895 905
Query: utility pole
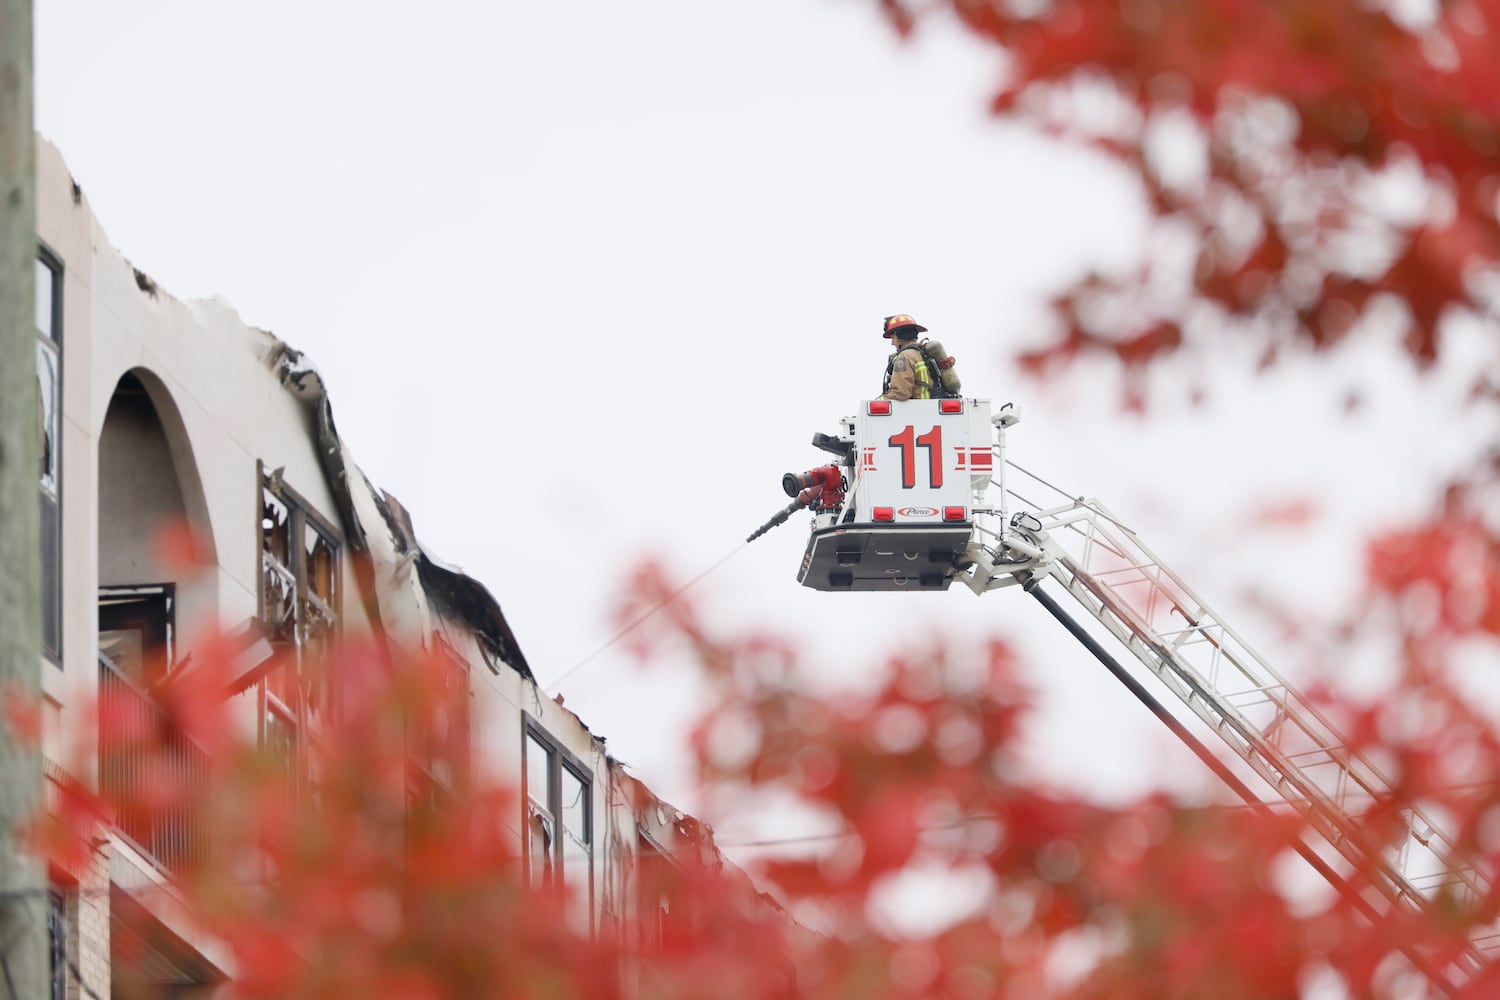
pixel 23 900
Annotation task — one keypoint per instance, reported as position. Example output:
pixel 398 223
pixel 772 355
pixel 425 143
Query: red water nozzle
pixel 821 488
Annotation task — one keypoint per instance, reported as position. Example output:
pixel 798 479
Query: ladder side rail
pixel 1122 544
pixel 1193 690
pixel 1294 713
pixel 1290 706
pixel 1266 688
pixel 1265 683
pixel 1185 682
pixel 1355 777
pixel 1243 657
pixel 1365 891
pixel 1359 775
pixel 1337 829
pixel 1327 811
pixel 1255 659
pixel 1293 716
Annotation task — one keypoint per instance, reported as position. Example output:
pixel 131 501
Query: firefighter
pixel 907 375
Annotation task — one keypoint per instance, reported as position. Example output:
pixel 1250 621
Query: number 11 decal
pixel 909 443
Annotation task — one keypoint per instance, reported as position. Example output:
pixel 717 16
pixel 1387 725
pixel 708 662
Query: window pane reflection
pixel 45 277
pixel 538 766
pixel 46 395
pixel 575 807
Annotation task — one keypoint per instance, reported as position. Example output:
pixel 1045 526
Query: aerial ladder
pixel 917 500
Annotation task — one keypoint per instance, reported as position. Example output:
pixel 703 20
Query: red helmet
pixel 900 324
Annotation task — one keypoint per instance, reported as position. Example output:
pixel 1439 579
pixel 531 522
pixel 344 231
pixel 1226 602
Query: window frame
pixel 302 517
pixel 58 940
pixel 157 604
pixel 51 497
pixel 664 915
pixel 559 758
pixel 443 760
pixel 273 707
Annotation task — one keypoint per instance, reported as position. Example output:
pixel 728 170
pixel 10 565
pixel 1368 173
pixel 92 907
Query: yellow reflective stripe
pixel 923 387
pixel 920 367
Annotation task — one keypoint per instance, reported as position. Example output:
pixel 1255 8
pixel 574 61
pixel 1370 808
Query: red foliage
pixel 359 889
pixel 1174 901
pixel 1452 564
pixel 1298 104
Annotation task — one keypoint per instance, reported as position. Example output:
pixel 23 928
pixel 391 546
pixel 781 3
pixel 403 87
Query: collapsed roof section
pixel 380 534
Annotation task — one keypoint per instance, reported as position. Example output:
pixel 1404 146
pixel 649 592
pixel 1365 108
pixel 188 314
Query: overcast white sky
pixel 584 278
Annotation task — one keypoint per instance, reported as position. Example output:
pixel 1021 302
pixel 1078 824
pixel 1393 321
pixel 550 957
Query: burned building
pixel 168 423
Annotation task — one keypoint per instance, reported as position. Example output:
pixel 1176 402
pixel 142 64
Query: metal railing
pixel 141 755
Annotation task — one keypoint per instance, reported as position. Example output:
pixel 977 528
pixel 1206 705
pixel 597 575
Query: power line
pixel 642 617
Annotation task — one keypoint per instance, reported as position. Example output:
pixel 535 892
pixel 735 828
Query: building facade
pixel 164 420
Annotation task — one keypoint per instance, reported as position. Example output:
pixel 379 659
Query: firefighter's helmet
pixel 902 325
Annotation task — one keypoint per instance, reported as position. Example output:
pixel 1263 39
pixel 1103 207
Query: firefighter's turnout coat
pixel 907 375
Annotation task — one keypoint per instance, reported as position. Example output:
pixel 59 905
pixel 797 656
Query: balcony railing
pixel 140 753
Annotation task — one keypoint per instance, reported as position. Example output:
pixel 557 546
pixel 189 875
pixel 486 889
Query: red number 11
pixel 909 443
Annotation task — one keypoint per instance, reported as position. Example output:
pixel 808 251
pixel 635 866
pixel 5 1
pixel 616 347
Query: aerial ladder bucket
pixel 915 473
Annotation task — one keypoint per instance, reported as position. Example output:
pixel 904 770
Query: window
pixel 141 746
pixel 663 907
pixel 49 418
pixel 299 606
pixel 135 631
pixel 299 570
pixel 57 939
pixel 437 748
pixel 279 741
pixel 559 824
pixel 439 742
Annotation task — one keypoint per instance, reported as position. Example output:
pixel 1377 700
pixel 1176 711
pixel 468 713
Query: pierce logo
pixel 918 512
